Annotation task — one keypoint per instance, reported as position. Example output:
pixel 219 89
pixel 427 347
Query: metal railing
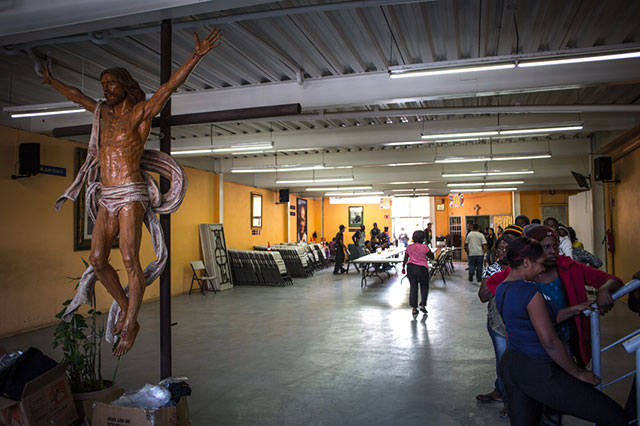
pixel 630 342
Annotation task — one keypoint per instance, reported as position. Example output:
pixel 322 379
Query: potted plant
pixel 81 342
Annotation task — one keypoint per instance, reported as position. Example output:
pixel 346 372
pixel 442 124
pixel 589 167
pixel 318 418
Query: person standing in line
pixel 341 252
pixel 417 266
pixel 522 221
pixel 359 237
pixel 536 368
pixel 491 240
pixel 428 234
pixel 495 325
pixel 475 245
pixel 375 231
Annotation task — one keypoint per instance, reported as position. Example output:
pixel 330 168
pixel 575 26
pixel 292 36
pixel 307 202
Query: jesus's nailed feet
pixel 127 339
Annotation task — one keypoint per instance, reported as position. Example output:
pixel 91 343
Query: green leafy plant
pixel 81 342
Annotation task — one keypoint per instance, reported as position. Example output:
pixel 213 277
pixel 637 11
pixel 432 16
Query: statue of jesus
pixel 125 122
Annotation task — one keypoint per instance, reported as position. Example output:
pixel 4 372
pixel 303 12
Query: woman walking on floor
pixel 417 271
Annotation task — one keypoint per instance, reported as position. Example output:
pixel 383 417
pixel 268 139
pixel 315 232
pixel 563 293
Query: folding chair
pixel 196 266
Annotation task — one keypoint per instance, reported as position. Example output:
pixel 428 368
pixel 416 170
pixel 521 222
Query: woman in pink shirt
pixel 416 256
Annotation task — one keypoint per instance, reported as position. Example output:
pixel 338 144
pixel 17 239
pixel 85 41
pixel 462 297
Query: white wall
pixel 581 218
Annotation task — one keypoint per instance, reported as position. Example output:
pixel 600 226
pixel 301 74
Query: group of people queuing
pixel 481 248
pixel 536 297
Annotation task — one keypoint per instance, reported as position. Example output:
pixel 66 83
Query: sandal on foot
pixel 423 309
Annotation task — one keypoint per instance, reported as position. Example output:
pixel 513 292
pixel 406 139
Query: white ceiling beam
pixel 377 88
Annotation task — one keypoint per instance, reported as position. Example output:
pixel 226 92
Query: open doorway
pixel 409 214
pixel 483 222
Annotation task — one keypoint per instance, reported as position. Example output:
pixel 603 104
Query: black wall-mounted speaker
pixel 602 168
pixel 29 159
pixel 283 195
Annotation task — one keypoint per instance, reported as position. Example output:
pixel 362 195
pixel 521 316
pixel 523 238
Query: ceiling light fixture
pixel 466 184
pixel 404 73
pixel 577 60
pixel 502 131
pixel 348 194
pixel 470 134
pixel 403 143
pixel 513 182
pixel 410 183
pixel 499 189
pixel 411 190
pixel 44 113
pixel 344 188
pixel 468 190
pixel 316 180
pixel 494 157
pixel 493 173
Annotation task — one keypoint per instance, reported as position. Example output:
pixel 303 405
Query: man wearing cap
pixel 340 252
pixel 563 281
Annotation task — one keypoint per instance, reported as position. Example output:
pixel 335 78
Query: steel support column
pixel 165 220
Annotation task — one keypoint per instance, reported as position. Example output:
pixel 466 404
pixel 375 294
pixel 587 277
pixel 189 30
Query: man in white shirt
pixel 475 245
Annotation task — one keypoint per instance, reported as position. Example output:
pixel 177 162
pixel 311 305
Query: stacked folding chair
pixel 258 268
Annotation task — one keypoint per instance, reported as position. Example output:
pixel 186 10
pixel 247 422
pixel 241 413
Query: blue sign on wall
pixel 52 170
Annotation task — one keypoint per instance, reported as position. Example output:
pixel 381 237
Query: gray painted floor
pixel 326 352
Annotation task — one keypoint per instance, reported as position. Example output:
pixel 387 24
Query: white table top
pixel 387 256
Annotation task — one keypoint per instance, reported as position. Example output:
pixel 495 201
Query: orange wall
pixel 626 205
pixel 237 217
pixel 338 214
pixel 530 204
pixel 36 253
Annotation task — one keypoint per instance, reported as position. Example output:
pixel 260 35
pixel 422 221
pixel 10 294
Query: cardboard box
pixel 46 401
pixel 111 415
pixel 85 407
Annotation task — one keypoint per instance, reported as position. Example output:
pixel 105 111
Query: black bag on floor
pixel 27 367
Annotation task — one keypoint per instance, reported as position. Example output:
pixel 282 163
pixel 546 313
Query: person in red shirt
pixel 573 277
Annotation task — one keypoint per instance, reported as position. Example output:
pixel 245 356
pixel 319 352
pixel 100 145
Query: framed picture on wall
pixel 301 222
pixel 356 216
pixel 82 224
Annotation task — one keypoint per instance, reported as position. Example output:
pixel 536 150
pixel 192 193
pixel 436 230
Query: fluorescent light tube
pixel 43 113
pixel 404 164
pixel 464 185
pixel 457 191
pixel 317 180
pixel 403 143
pixel 344 188
pixel 472 174
pixel 409 183
pixel 541 129
pixel 278 169
pixel 411 190
pixel 191 151
pixel 577 60
pixel 242 148
pixel 462 159
pixel 499 189
pixel 348 194
pixel 522 157
pixel 513 182
pixel 410 195
pixel 454 70
pixel 521 172
pixel 471 134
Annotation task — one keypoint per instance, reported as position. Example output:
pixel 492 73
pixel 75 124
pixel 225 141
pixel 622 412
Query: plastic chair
pixel 196 266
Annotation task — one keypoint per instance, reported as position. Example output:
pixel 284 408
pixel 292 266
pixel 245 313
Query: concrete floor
pixel 326 352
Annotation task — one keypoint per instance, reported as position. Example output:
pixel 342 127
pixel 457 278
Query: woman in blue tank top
pixel 536 368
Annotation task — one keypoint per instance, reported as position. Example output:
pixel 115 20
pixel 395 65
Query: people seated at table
pixel 536 367
pixel 417 269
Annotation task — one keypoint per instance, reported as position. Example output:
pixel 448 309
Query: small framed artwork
pixel 256 210
pixel 356 216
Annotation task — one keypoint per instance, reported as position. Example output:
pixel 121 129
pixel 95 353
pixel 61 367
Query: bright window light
pixel 577 60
